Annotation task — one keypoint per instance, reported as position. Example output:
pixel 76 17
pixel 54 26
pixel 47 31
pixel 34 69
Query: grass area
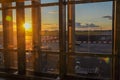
pixel 86 32
pixel 56 33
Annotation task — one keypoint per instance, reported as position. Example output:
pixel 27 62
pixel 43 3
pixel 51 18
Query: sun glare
pixel 27 26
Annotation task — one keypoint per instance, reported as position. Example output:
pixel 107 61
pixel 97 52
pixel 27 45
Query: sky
pixel 94 15
pixel 87 16
pixel 50 18
pixel 48 1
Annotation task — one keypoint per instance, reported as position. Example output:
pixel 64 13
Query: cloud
pixel 107 17
pixel 77 24
pixel 50 24
pixel 50 27
pixel 47 24
pixel 91 25
pixel 52 12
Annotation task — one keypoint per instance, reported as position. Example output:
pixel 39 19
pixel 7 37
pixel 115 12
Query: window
pixel 28 28
pixel 8 39
pixel 28 39
pixel 50 28
pixel 93 27
pixel 27 2
pixel 1 60
pixel 0 5
pixel 13 55
pixel 90 32
pixel 14 29
pixel 1 30
pixel 50 63
pixel 1 42
pixel 13 4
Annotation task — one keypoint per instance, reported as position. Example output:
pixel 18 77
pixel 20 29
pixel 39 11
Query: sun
pixel 27 26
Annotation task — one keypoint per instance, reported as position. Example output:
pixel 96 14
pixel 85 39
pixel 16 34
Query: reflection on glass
pixel 11 21
pixel 66 29
pixel 48 1
pixel 93 27
pixel 13 60
pixel 28 28
pixel 50 63
pixel 50 29
pixel 94 67
pixel 1 31
pixel 1 60
pixel 30 60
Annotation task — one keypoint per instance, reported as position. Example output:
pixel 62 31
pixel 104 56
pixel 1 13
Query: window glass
pixel 88 0
pixel 14 29
pixel 93 27
pixel 50 63
pixel 28 28
pixel 1 60
pixel 50 28
pixel 13 60
pixel 7 5
pixel 92 67
pixel 30 60
pixel 48 1
pixel 30 56
pixel 1 31
pixel 13 4
pixel 0 5
pixel 66 7
pixel 10 20
pixel 13 55
pixel 27 2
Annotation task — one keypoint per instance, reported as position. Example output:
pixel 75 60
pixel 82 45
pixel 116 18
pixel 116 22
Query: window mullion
pixel 71 26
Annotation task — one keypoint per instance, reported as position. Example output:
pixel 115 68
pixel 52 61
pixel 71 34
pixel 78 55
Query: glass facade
pixel 60 38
